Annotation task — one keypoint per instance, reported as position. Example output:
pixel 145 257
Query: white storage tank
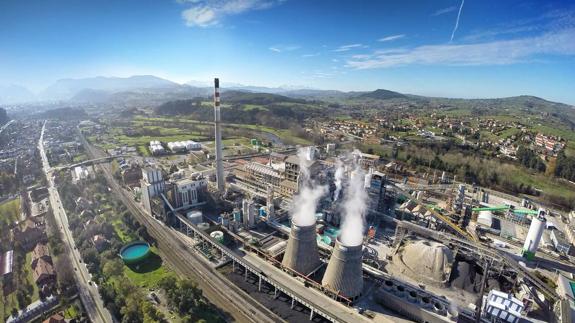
pixel 218 236
pixel 203 226
pixel 534 235
pixel 195 217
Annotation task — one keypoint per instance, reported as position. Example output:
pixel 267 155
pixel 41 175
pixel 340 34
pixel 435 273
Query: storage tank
pixel 195 217
pixel 344 273
pixel 534 235
pixel 218 236
pixel 203 226
pixel 301 252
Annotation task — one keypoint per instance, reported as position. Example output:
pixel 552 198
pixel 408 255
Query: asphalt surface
pixel 88 291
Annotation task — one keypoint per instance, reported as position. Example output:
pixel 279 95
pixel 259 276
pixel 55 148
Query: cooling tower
pixel 301 252
pixel 344 272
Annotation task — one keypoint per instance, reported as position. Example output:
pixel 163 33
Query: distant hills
pixel 66 89
pixel 151 91
pixel 14 94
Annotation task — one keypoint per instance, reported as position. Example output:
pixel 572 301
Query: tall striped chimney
pixel 219 163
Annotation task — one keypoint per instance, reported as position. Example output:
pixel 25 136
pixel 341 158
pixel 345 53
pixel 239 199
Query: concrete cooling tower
pixel 301 252
pixel 344 273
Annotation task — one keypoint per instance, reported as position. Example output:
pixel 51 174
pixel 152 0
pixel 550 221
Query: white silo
pixel 534 235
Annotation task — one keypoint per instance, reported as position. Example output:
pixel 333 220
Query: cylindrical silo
pixel 534 235
pixel 301 252
pixel 344 274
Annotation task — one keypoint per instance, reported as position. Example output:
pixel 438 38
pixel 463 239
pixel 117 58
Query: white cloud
pixel 444 11
pixel 283 48
pixel 206 13
pixel 311 55
pixel 500 52
pixel 391 38
pixel 345 48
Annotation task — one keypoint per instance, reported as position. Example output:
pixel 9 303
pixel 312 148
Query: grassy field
pixel 10 211
pixel 148 273
pixel 284 134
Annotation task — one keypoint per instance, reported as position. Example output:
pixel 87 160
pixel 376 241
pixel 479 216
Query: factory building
pixel 502 307
pixel 561 244
pixel 181 146
pixel 152 185
pixel 257 177
pixel 156 148
pixel 187 193
pixel 366 161
pixel 375 187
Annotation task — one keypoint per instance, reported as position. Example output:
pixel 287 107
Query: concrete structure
pixel 534 235
pixel 561 244
pixel 256 178
pixel 502 307
pixel 187 193
pixel 566 290
pixel 301 252
pixel 344 274
pixel 485 219
pixel 375 187
pixel 249 213
pixel 152 185
pixel 219 154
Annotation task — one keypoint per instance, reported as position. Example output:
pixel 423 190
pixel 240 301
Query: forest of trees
pixel 565 167
pixel 530 159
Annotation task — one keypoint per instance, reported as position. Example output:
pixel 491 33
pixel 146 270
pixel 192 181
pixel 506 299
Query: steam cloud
pixel 305 203
pixel 339 172
pixel 354 207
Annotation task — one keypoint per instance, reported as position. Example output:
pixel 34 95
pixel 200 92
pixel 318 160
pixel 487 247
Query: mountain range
pixel 150 90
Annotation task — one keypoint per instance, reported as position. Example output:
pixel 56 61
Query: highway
pixel 88 292
pixel 218 289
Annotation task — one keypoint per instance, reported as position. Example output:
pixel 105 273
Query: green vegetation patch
pixel 10 211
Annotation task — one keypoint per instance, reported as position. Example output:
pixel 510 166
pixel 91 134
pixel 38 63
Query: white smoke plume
pixel 457 20
pixel 339 173
pixel 304 162
pixel 305 202
pixel 354 207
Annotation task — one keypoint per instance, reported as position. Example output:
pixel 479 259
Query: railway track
pixel 220 291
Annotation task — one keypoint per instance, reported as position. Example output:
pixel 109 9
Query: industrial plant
pixel 349 237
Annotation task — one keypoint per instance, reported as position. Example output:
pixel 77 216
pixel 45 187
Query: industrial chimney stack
pixel 344 273
pixel 301 252
pixel 219 163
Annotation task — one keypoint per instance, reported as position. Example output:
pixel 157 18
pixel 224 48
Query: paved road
pixel 220 291
pixel 87 291
pixel 6 125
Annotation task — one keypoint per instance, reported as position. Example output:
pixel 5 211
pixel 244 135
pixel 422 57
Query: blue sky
pixel 500 48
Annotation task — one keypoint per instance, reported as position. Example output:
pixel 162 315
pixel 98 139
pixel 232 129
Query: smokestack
pixel 217 120
pixel 344 273
pixel 301 252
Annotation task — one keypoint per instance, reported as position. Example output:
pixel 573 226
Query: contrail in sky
pixel 457 21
